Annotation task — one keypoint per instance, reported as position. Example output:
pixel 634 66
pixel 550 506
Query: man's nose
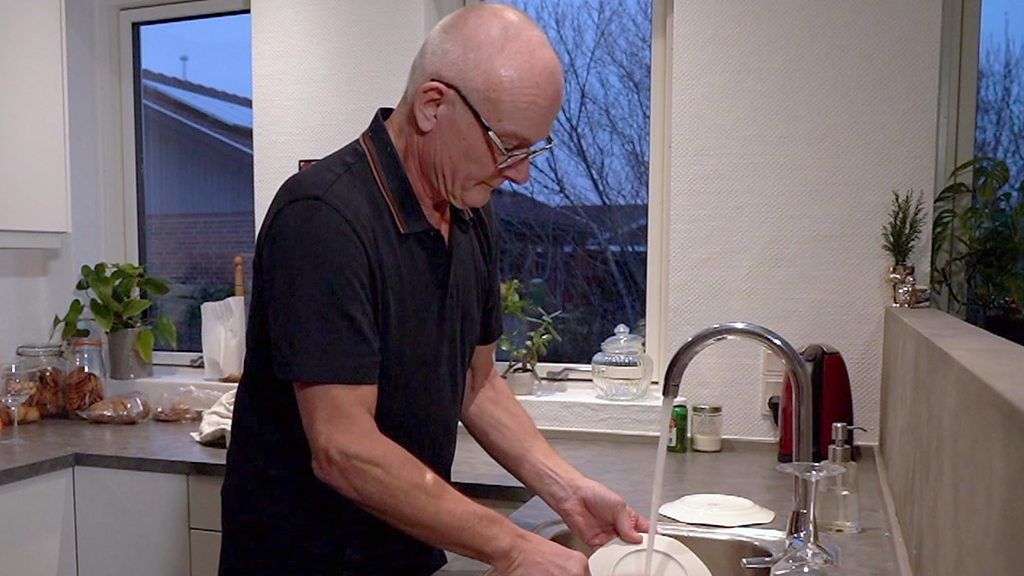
pixel 518 172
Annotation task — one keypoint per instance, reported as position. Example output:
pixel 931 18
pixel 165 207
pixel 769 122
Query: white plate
pixel 670 558
pixel 716 510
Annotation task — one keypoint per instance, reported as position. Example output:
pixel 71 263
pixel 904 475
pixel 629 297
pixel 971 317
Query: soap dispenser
pixel 837 501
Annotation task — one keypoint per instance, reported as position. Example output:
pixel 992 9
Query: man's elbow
pixel 334 464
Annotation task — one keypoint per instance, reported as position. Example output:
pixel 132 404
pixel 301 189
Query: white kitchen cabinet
pixel 204 502
pixel 204 520
pixel 205 552
pixel 34 200
pixel 131 523
pixel 37 526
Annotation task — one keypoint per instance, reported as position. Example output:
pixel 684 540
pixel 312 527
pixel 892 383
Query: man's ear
pixel 426 106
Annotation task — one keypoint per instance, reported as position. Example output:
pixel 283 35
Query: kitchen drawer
pixel 205 552
pixel 204 502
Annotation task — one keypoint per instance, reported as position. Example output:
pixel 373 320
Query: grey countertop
pixel 744 469
pixel 149 446
pixel 626 464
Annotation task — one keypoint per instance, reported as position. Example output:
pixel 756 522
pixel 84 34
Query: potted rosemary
pixel 119 296
pixel 899 239
pixel 525 349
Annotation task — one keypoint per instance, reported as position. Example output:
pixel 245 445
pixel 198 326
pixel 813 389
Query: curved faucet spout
pixel 800 525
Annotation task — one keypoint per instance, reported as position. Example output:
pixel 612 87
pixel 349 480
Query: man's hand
pixel 597 515
pixel 537 556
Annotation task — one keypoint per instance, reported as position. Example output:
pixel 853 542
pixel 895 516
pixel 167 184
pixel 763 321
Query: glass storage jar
pixel 621 370
pixel 47 362
pixel 86 374
pixel 707 427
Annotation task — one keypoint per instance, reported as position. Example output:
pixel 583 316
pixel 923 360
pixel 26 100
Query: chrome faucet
pixel 801 526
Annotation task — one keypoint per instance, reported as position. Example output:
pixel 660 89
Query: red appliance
pixel 831 397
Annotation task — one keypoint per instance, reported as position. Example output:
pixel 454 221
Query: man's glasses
pixel 510 157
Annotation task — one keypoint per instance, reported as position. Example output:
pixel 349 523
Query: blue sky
pixel 219 51
pixel 996 14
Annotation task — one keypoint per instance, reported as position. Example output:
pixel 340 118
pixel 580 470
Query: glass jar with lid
pixel 46 361
pixel 86 374
pixel 707 427
pixel 621 370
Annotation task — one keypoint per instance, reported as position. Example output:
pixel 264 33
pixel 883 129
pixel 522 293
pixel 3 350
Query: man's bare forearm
pixel 502 427
pixel 351 455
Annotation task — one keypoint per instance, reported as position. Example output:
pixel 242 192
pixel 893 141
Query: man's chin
pixel 477 197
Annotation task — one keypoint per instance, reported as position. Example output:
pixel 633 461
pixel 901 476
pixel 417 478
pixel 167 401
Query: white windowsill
pixel 575 410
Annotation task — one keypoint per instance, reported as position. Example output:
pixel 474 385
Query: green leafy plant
pixel 118 296
pixel 901 233
pixel 978 242
pixel 525 350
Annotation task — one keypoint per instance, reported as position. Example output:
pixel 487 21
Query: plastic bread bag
pixel 127 409
pixel 184 404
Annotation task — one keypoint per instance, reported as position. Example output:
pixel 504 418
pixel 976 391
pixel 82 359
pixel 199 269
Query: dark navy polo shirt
pixel 351 285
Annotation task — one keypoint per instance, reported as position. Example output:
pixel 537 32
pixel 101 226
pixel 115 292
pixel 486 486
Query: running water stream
pixel 659 473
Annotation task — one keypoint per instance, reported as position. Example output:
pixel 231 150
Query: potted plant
pixel 899 239
pixel 978 247
pixel 118 297
pixel 525 350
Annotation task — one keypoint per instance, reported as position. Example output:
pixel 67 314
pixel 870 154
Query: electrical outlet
pixel 773 379
pixel 770 387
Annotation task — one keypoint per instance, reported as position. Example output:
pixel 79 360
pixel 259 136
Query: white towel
pixel 216 422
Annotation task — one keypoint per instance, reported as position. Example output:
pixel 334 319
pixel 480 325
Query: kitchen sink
pixel 721 549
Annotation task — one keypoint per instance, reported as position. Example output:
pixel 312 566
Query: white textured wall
pixel 22 300
pixel 320 70
pixel 792 120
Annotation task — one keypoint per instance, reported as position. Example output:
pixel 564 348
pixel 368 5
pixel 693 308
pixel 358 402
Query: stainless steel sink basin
pixel 721 549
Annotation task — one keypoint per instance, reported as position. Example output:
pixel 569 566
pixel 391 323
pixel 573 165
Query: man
pixel 374 314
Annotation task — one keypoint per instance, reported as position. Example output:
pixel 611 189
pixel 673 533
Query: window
pixel 999 120
pixel 189 162
pixel 577 236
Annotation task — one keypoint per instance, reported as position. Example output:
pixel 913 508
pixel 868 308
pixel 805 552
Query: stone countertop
pixel 625 464
pixel 148 446
pixel 744 469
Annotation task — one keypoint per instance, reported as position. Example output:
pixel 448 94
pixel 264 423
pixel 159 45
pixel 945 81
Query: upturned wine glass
pixel 806 556
pixel 19 383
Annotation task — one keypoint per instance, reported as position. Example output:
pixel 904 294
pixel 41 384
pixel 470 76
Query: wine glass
pixel 806 556
pixel 19 384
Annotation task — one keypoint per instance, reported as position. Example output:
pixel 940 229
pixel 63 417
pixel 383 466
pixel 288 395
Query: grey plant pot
pixel 125 361
pixel 521 383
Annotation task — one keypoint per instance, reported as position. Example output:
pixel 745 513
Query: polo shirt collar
pixel 391 178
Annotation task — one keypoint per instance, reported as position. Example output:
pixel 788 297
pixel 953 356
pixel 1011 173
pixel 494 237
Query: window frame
pixel 958 96
pixel 659 184
pixel 958 87
pixel 127 19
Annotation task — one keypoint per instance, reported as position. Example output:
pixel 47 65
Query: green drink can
pixel 677 426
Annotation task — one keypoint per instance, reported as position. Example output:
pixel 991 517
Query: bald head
pixel 488 50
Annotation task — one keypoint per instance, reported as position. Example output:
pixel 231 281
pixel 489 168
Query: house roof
pixel 625 223
pixel 221 114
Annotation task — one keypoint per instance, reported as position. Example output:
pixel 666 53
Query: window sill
pixel 576 409
pixel 164 379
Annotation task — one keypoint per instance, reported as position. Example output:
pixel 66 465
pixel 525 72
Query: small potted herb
pixel 525 350
pixel 899 239
pixel 118 296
